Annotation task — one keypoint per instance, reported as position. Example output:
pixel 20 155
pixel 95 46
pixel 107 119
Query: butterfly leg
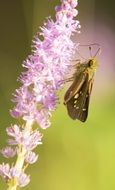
pixel 68 79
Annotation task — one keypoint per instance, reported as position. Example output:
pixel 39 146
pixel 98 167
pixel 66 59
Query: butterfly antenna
pixel 94 44
pixel 80 55
pixel 90 51
pixel 98 52
pixel 90 45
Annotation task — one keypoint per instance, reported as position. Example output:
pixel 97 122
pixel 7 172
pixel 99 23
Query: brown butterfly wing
pixel 78 105
pixel 75 87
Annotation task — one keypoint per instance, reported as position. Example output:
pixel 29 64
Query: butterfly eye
pixel 90 63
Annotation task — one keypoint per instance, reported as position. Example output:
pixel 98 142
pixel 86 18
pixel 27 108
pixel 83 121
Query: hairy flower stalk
pixel 44 75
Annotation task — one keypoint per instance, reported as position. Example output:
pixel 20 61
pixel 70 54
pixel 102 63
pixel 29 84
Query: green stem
pixel 12 188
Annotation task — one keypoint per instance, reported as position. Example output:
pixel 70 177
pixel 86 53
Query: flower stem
pixel 12 187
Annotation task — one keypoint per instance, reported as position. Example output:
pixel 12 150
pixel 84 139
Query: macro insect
pixel 77 97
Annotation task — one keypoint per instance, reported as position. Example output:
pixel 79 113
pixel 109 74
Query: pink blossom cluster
pixel 47 66
pixel 12 173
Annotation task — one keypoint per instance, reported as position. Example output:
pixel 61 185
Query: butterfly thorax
pixel 91 67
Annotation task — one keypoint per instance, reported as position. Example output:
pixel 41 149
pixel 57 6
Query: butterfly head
pixel 92 63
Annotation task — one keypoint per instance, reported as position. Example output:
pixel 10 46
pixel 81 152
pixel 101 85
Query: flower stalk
pixel 22 150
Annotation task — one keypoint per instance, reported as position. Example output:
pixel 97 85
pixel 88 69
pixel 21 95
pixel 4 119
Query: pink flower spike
pixel 45 71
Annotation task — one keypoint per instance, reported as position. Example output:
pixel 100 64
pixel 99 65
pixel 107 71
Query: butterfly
pixel 77 97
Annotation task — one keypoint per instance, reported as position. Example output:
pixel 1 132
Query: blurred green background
pixel 74 155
